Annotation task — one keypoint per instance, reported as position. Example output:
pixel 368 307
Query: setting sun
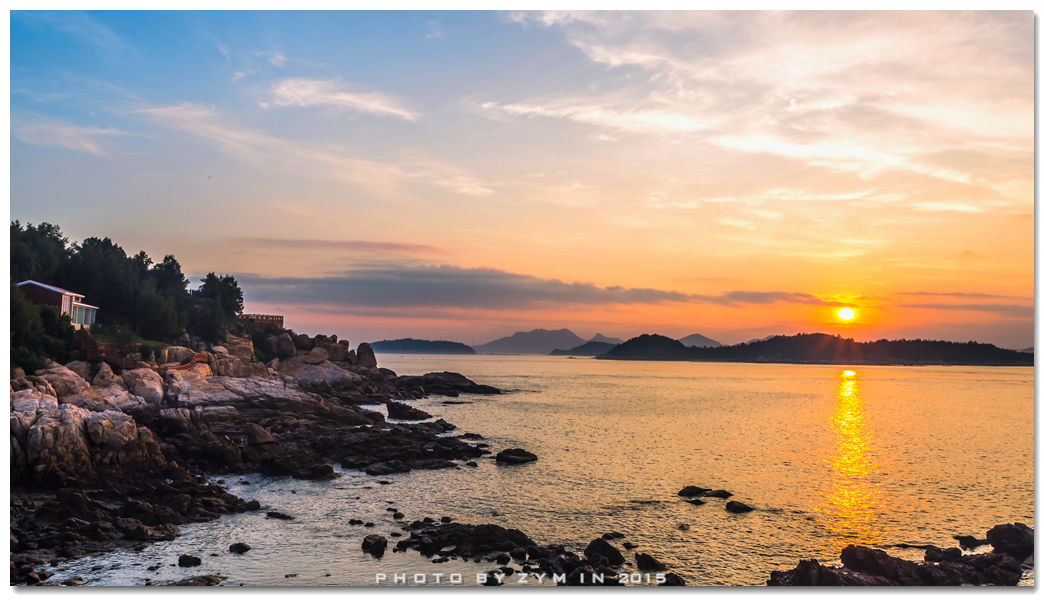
pixel 846 314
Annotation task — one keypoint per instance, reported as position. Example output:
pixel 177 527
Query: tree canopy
pixel 152 298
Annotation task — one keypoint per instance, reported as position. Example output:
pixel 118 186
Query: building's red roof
pixel 51 288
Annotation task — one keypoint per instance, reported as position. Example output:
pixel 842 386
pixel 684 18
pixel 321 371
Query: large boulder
pixel 113 429
pixel 65 381
pixel 1012 539
pixel 602 547
pixel 515 456
pixel 32 400
pixel 406 412
pixel 145 383
pixel 316 356
pixel 105 377
pixel 366 357
pixel 175 354
pixel 81 368
pixel 303 342
pixel 281 345
pixel 323 378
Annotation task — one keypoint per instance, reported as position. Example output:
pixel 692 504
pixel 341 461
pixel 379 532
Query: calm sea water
pixel 828 455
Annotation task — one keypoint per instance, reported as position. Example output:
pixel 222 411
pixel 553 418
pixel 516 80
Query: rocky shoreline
pixel 102 460
pixel 862 566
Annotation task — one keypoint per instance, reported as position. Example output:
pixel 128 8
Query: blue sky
pixel 463 175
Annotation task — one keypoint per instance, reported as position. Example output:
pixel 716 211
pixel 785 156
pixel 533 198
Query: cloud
pixel 331 93
pixel 79 25
pixel 52 132
pixel 347 246
pixel 275 57
pixel 449 286
pixel 329 163
pixel 862 93
pixel 633 120
pixel 1019 311
pixel 957 294
pixel 263 150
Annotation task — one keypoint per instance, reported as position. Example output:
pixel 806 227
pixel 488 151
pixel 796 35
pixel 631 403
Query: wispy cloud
pixel 265 150
pixel 333 93
pixel 1020 311
pixel 320 162
pixel 275 57
pixel 859 93
pixel 957 294
pixel 79 25
pixel 480 288
pixel 52 132
pixel 344 246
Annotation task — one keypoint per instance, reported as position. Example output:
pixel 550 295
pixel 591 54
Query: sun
pixel 846 314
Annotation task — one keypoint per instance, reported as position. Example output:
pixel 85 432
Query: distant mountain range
pixel 427 347
pixel 587 349
pixel 600 338
pixel 698 340
pixel 537 342
pixel 823 348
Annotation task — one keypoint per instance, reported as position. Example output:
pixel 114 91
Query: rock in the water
pixel 612 535
pixel 375 545
pixel 863 566
pixel 238 548
pixel 605 549
pixel 937 554
pixel 737 507
pixel 1013 539
pixel 208 580
pixel 970 542
pixel 277 515
pixel 648 563
pixel 720 494
pixel 673 579
pixel 515 456
pixel 403 411
pixel 188 561
pixel 693 491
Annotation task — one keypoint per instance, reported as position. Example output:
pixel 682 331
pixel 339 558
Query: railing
pixel 197 358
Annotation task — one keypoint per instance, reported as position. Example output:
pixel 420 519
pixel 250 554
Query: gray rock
pixel 366 356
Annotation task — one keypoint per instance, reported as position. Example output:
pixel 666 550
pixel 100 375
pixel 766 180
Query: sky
pixel 466 175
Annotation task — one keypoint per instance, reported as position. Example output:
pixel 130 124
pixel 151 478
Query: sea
pixel 827 455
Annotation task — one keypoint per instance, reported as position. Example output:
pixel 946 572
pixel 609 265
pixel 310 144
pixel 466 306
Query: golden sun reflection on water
pixel 848 501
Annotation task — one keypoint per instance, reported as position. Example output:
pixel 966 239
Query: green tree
pixel 37 253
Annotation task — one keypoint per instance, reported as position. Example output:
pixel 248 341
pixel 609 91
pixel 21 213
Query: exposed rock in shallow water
pixel 375 545
pixel 238 548
pixel 737 507
pixel 1012 539
pixel 515 456
pixel 863 566
pixel 406 412
pixel 600 546
pixel 648 563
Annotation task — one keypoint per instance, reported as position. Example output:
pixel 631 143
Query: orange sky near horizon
pixel 735 174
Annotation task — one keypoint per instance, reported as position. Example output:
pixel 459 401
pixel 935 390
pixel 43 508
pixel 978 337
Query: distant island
pixel 822 348
pixel 426 347
pixel 587 349
pixel 698 340
pixel 536 342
